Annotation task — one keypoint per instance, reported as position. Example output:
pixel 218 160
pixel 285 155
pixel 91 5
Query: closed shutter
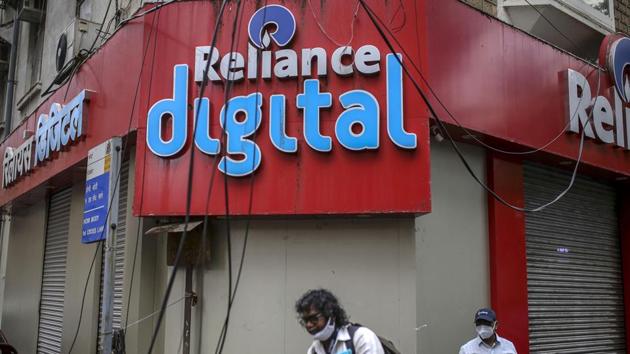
pixel 54 273
pixel 573 266
pixel 119 254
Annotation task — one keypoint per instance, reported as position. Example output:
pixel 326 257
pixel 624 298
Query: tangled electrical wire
pixel 377 22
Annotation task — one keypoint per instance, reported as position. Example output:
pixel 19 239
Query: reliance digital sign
pixel 309 127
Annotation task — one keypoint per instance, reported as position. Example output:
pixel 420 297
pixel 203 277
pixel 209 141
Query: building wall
pixel 622 12
pixel 23 276
pixel 24 247
pixel 622 16
pixel 20 316
pixel 78 261
pixel 59 15
pixel 452 250
pixel 487 6
pixel 145 296
pixel 368 263
pixel 4 252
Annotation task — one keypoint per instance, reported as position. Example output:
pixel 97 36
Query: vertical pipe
pixel 8 102
pixel 110 247
pixel 188 308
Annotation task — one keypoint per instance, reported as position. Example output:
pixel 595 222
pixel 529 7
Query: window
pixel 35 46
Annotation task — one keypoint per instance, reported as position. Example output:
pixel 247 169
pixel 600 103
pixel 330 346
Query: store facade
pixel 332 175
pixel 558 277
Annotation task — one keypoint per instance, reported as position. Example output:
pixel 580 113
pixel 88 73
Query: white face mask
pixel 484 331
pixel 326 332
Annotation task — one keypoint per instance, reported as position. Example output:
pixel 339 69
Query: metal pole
pixel 8 102
pixel 110 247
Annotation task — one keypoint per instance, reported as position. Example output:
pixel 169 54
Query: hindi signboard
pixel 100 190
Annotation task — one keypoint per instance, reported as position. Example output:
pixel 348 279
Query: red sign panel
pixel 503 83
pixel 319 117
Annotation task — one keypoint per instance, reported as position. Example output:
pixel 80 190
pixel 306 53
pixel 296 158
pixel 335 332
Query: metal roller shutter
pixel 574 278
pixel 119 254
pixel 54 273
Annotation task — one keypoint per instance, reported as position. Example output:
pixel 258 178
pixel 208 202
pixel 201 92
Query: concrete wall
pixel 23 277
pixel 452 253
pixel 368 263
pixel 487 6
pixel 78 261
pixel 147 277
pixel 622 16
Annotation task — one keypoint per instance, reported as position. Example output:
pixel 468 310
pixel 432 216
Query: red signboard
pixel 107 80
pixel 334 130
pixel 503 83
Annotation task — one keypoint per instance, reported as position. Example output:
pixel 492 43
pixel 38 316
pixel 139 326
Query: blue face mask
pixel 326 332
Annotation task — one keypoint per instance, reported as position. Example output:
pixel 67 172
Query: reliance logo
pixel 277 15
pixel 617 60
pixel 356 128
pixel 596 115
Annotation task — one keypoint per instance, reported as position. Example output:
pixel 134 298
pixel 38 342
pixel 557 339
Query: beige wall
pixel 23 277
pixel 4 252
pixel 78 262
pixel 25 248
pixel 452 253
pixel 147 276
pixel 368 263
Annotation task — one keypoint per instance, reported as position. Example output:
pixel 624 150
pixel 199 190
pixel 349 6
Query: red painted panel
pixel 508 262
pixel 624 230
pixel 112 74
pixel 387 180
pixel 503 83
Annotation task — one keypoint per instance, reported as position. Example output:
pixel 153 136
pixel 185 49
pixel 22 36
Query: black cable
pixel 109 209
pixel 109 4
pixel 209 192
pixel 456 120
pixel 87 282
pixel 233 43
pixel 442 125
pixel 124 148
pixel 552 25
pixel 146 50
pixel 90 51
pixel 152 9
pixel 180 247
pixel 77 61
pixel 83 58
pixel 247 225
pixel 116 12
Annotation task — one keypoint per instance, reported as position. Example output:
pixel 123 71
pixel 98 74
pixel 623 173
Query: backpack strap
pixel 352 329
pixel 388 346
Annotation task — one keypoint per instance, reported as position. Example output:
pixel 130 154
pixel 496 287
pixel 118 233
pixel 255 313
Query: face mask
pixel 484 331
pixel 326 332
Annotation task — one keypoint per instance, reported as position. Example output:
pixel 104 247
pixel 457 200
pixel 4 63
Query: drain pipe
pixel 8 102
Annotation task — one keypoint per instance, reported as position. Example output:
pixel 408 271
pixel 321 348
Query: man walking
pixel 323 317
pixel 487 340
